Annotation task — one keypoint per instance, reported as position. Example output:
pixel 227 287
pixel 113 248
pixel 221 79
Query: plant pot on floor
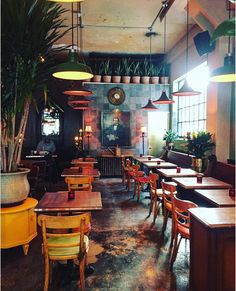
pixel 14 187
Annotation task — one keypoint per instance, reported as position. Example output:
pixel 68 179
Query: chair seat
pixel 184 231
pixel 145 179
pixel 68 251
pixel 157 192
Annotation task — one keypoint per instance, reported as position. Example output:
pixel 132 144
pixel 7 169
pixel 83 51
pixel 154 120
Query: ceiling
pixel 113 26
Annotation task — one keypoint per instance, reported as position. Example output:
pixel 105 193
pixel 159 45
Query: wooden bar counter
pixel 212 249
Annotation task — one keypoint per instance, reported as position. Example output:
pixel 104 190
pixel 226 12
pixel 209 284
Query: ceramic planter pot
pixel 145 79
pixel 106 79
pixel 197 164
pixel 164 80
pixel 154 80
pixel 116 79
pixel 97 78
pixel 14 187
pixel 135 79
pixel 125 79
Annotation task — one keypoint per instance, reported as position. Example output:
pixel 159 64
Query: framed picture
pixel 115 128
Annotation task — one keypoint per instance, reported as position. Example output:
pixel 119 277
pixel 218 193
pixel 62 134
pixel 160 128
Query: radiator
pixel 110 166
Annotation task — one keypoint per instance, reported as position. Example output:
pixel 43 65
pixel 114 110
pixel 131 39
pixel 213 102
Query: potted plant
pixel 170 137
pixel 198 144
pixel 106 70
pixel 145 72
pixel 154 72
pixel 126 70
pixel 97 72
pixel 117 72
pixel 135 72
pixel 29 29
pixel 164 73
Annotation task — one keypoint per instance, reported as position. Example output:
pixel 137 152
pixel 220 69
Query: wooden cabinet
pixel 212 249
pixel 18 225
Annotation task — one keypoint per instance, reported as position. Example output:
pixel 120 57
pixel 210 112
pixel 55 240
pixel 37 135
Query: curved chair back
pixel 153 182
pixel 168 190
pixel 79 183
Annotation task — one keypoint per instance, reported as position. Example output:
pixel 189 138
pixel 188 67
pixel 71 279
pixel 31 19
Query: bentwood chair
pixel 79 183
pixel 125 166
pixel 72 245
pixel 181 224
pixel 130 174
pixel 86 164
pixel 139 181
pixel 155 195
pixel 86 159
pixel 168 191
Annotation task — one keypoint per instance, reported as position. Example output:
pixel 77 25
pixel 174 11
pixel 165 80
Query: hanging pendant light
pixel 75 100
pixel 72 69
pixel 77 90
pixel 225 73
pixel 164 98
pixel 186 90
pixel 149 105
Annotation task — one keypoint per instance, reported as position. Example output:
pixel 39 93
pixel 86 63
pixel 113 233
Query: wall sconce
pixel 88 133
pixel 143 131
pixel 78 140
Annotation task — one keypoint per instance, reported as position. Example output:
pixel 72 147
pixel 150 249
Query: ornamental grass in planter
pixel 29 29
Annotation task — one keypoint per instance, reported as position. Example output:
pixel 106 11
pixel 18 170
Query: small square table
pixel 68 172
pixel 217 197
pixel 154 165
pixel 207 183
pixel 171 173
pixel 58 202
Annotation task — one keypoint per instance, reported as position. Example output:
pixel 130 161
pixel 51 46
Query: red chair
pixel 181 219
pixel 139 181
pixel 130 175
pixel 126 166
pixel 155 195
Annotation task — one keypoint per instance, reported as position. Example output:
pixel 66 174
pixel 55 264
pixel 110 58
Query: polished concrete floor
pixel 126 252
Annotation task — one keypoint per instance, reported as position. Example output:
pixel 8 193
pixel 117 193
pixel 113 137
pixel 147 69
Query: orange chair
pixel 139 180
pixel 168 191
pixel 130 175
pixel 155 195
pixel 79 183
pixel 181 223
pixel 86 159
pixel 81 164
pixel 125 166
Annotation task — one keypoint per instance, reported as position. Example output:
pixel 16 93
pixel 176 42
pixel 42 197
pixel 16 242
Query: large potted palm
pixel 29 29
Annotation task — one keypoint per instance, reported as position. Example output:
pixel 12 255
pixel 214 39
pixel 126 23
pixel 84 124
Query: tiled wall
pixel 136 96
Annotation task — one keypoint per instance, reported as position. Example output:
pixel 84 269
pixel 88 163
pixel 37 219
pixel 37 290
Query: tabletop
pixel 217 197
pixel 58 202
pixel 83 162
pixel 207 183
pixel 145 159
pixel 37 156
pixel 85 172
pixel 215 217
pixel 171 173
pixel 154 165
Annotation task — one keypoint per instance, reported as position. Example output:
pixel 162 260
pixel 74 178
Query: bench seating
pixel 181 159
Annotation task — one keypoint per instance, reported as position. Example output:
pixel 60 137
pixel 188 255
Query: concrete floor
pixel 126 252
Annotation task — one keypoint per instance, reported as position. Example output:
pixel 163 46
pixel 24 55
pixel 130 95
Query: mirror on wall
pixel 50 124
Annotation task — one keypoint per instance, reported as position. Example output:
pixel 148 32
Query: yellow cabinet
pixel 18 225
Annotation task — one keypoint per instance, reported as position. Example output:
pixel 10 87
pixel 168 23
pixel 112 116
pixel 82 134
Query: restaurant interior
pixel 118 145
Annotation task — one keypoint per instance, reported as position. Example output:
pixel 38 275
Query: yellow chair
pixel 87 164
pixel 79 183
pixel 155 195
pixel 181 223
pixel 64 246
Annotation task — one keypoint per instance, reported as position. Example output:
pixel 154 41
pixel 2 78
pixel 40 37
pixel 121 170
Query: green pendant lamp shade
pixel 163 99
pixel 225 73
pixel 149 106
pixel 72 69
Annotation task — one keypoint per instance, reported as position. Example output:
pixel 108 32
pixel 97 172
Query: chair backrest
pixel 79 183
pixel 135 168
pixel 168 190
pixel 51 223
pixel 181 213
pixel 153 181
pixel 86 160
pixel 84 165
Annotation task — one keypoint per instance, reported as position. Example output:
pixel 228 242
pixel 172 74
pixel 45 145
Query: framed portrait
pixel 115 128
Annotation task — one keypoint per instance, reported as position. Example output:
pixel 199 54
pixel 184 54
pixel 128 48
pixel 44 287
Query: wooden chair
pixel 139 181
pixel 130 175
pixel 79 183
pixel 33 177
pixel 181 223
pixel 86 159
pixel 81 164
pixel 125 166
pixel 155 195
pixel 168 191
pixel 64 246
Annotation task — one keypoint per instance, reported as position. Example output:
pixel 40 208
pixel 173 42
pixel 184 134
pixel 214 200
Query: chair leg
pixel 155 211
pixel 175 250
pixel 165 218
pixel 139 186
pixel 81 273
pixel 46 279
pixel 151 205
pixel 135 186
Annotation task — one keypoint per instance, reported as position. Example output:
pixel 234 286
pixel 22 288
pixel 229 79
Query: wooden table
pixel 58 202
pixel 37 156
pixel 212 249
pixel 74 162
pixel 154 165
pixel 145 159
pixel 171 173
pixel 68 172
pixel 207 183
pixel 217 197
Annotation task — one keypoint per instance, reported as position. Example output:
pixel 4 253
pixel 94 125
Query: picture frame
pixel 115 128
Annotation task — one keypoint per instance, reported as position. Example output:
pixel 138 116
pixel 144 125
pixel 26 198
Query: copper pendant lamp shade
pixel 77 90
pixel 80 100
pixel 186 90
pixel 163 99
pixel 149 106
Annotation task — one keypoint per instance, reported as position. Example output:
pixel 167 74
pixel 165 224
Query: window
pixel 189 112
pixel 50 122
